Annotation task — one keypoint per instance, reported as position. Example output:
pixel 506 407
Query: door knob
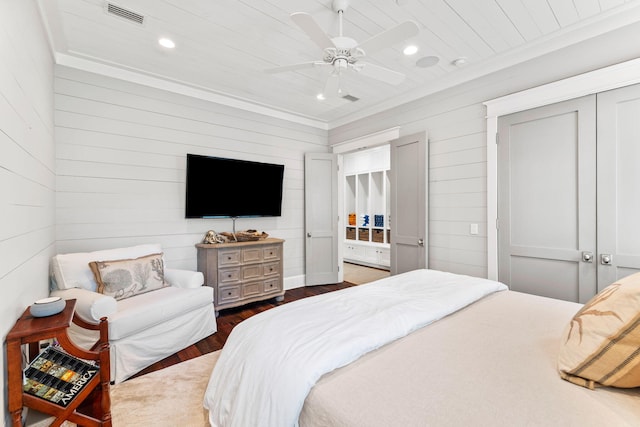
pixel 587 256
pixel 420 242
pixel 308 234
pixel 605 259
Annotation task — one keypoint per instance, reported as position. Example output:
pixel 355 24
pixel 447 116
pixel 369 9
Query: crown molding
pixel 120 72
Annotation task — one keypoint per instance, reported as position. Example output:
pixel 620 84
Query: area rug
pixel 169 397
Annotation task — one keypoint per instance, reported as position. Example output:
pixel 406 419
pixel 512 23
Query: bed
pixel 423 348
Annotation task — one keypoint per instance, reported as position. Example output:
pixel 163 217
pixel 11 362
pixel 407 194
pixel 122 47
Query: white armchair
pixel 144 328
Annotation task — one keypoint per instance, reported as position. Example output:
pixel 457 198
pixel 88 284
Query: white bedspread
pixel 271 361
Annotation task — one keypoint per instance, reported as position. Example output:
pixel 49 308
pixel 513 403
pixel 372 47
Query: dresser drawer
pixel 271 285
pixel 251 272
pixel 251 289
pixel 270 253
pixel 228 294
pixel 271 268
pixel 229 257
pixel 229 275
pixel 250 255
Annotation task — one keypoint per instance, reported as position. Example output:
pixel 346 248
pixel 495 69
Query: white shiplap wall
pixel 27 174
pixel 456 125
pixel 120 161
pixel 457 174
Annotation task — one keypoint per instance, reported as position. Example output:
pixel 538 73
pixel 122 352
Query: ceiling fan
pixel 344 53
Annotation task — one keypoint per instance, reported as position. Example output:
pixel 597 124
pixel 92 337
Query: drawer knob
pixel 229 258
pixel 229 276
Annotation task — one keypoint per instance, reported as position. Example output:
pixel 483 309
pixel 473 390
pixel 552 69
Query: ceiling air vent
pixel 123 13
pixel 351 98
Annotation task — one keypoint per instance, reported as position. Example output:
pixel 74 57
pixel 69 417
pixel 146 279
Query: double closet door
pixel 569 195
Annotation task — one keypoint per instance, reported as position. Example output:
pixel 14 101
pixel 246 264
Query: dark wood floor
pixel 231 317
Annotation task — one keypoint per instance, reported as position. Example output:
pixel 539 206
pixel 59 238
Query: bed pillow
pixel 601 343
pixel 128 277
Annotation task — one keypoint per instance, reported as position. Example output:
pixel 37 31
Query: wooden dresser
pixel 242 272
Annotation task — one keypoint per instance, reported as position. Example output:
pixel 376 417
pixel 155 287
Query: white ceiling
pixel 224 46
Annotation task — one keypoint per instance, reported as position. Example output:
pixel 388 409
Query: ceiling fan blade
pixel 294 67
pixel 313 30
pixel 390 37
pixel 380 73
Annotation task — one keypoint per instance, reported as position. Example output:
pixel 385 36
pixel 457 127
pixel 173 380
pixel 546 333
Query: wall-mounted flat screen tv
pixel 221 188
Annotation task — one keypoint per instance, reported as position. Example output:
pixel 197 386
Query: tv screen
pixel 219 187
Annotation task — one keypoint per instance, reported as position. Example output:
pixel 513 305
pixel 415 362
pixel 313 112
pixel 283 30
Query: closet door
pixel 618 184
pixel 547 200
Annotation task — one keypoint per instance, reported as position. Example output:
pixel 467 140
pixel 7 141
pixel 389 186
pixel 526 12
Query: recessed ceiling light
pixel 427 61
pixel 168 43
pixel 320 97
pixel 410 50
pixel 459 62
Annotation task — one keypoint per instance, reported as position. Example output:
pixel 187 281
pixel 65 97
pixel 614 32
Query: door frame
pixel 612 77
pixel 349 146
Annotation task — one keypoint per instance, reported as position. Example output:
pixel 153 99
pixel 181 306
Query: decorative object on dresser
pixel 153 311
pixel 245 236
pixel 242 272
pixel 212 237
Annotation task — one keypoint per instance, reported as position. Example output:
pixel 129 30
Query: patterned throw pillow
pixel 128 277
pixel 601 344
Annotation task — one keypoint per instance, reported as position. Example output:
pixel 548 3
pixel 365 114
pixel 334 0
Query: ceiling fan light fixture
pixel 411 49
pixel 343 53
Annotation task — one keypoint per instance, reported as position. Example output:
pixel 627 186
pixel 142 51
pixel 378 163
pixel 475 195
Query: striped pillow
pixel 601 344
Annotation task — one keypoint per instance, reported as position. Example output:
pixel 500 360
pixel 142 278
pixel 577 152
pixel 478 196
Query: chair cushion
pixel 72 270
pixel 129 277
pixel 152 308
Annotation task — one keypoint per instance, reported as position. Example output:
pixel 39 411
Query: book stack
pixel 57 377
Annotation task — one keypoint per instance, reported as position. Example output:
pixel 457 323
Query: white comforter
pixel 271 361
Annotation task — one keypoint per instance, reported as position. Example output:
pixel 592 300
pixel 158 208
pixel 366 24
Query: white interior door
pixel 409 198
pixel 321 218
pixel 547 200
pixel 618 184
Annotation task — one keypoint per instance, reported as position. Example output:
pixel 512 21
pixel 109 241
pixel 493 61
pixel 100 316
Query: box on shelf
pixel 378 236
pixel 352 218
pixel 378 220
pixel 351 233
pixel 363 234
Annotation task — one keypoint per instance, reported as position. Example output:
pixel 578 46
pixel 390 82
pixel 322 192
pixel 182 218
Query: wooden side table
pixel 92 406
